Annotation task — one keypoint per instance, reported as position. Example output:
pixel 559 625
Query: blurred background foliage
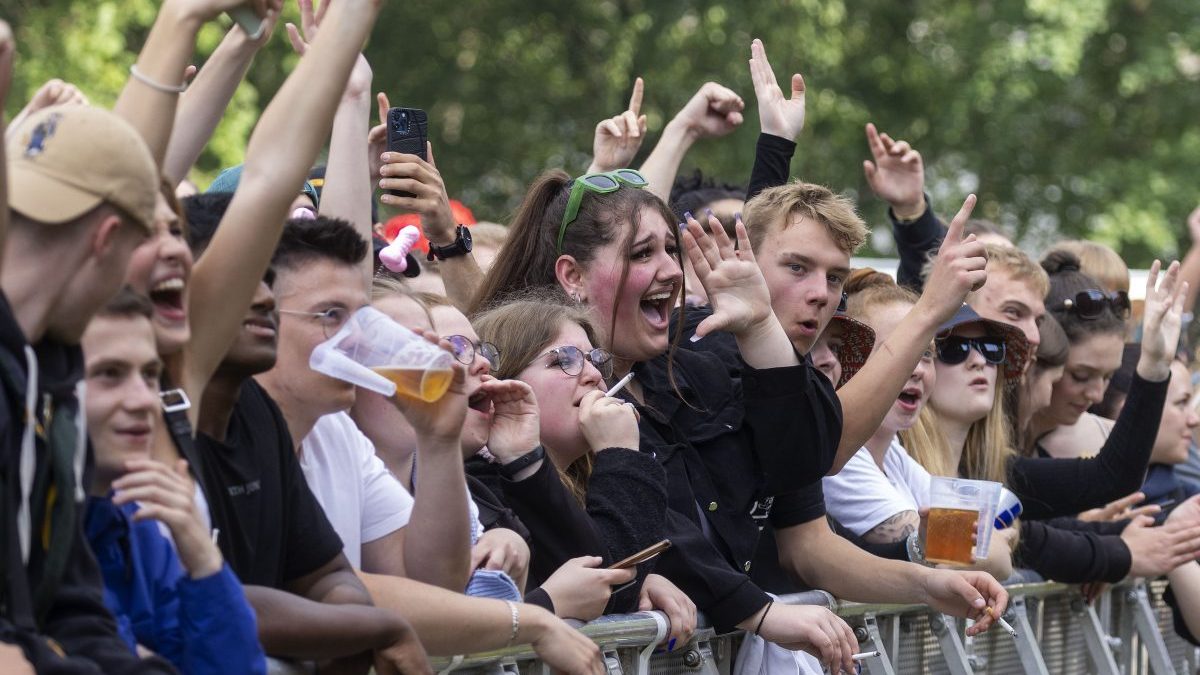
pixel 1068 118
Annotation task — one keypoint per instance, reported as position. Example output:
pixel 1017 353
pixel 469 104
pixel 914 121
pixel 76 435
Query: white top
pixel 861 496
pixel 361 498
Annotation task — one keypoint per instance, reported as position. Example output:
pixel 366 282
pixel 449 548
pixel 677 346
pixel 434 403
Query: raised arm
pixel 1190 268
pixel 8 49
pixel 780 119
pixel 151 95
pixel 712 111
pixel 282 148
pixel 202 105
pixel 618 138
pixel 958 269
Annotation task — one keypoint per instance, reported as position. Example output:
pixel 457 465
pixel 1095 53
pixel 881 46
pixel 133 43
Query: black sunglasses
pixel 955 349
pixel 1090 304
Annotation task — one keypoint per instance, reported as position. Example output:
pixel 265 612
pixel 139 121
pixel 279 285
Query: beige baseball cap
pixel 64 161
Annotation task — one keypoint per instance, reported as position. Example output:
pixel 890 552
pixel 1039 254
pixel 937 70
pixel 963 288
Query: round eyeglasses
pixel 465 349
pixel 571 358
pixel 330 320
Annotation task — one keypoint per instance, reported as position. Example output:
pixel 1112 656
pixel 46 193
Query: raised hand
pixel 712 111
pixel 618 138
pixel 777 115
pixel 167 494
pixel 958 269
pixel 1193 223
pixel 411 174
pixel 1162 322
pixel 359 83
pixel 965 594
pixel 580 588
pixel 515 427
pixel 608 422
pixel 8 51
pixel 377 137
pixel 206 10
pixel 731 278
pixel 897 176
pixel 659 593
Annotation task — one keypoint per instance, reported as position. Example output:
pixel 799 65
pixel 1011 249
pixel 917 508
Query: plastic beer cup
pixel 374 352
pixel 961 515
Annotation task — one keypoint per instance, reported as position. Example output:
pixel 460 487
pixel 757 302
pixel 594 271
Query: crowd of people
pixel 181 492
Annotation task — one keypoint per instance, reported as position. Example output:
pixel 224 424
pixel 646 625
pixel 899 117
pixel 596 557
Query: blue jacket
pixel 200 625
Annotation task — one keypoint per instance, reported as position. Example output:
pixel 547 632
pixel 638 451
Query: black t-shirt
pixel 273 530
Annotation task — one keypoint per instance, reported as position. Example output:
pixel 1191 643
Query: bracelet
pixel 916 554
pixel 763 618
pixel 164 88
pixel 516 622
pixel 511 469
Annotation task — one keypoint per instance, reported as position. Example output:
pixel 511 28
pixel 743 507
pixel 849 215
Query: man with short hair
pixel 83 186
pixel 1015 291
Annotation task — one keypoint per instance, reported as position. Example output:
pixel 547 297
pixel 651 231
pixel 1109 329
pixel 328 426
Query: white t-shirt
pixel 861 496
pixel 361 498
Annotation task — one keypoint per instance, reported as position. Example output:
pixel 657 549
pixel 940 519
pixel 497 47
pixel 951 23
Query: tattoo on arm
pixel 893 529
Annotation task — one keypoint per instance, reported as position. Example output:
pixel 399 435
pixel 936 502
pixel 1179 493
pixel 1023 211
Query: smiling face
pixel 1011 300
pixel 1178 421
pixel 643 309
pixel 558 394
pixel 121 402
pixel 920 385
pixel 1090 365
pixel 965 392
pixel 805 271
pixel 449 321
pixel 160 269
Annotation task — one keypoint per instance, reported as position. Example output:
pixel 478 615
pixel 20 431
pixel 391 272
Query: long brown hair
pixel 522 329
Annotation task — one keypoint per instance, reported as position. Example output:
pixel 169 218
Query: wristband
pixel 164 88
pixel 511 469
pixel 516 622
pixel 915 552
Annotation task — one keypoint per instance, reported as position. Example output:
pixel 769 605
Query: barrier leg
pixel 946 630
pixel 872 640
pixel 1097 640
pixel 1137 602
pixel 1027 647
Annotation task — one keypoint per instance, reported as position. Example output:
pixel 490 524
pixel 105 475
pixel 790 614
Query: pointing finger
pixel 635 99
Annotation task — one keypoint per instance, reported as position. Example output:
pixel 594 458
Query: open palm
pixel 734 283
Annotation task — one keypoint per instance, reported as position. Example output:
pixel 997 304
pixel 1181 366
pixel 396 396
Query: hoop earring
pixel 575 296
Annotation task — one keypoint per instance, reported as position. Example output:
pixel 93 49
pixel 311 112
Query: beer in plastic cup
pixel 376 353
pixel 961 514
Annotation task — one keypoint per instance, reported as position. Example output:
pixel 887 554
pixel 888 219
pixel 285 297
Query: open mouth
pixel 167 296
pixel 909 398
pixel 979 382
pixel 809 327
pixel 656 307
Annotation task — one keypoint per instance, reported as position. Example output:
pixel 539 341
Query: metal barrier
pixel 1127 632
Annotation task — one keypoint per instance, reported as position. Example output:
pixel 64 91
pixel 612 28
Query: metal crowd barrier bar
pixel 1128 632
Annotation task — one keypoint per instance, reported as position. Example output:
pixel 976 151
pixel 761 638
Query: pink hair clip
pixel 395 255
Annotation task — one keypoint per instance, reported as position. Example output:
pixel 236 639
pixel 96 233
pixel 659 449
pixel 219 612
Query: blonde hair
pixel 492 235
pixel 987 449
pixel 1019 266
pixel 771 209
pixel 1098 262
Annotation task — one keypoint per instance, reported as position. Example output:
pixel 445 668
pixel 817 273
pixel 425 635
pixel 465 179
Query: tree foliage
pixel 1068 118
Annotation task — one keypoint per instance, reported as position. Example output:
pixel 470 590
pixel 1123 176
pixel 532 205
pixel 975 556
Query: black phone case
pixel 407 138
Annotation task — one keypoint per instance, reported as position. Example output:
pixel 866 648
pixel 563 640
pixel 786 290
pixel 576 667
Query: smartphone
pixel 648 553
pixel 252 24
pixel 407 132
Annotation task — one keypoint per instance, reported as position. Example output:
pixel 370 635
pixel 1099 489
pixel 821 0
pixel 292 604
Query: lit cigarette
pixel 619 385
pixel 1003 624
pixel 865 655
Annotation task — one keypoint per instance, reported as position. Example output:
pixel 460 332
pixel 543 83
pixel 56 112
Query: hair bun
pixel 1059 262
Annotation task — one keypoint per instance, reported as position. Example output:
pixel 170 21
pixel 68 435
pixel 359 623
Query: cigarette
pixel 865 655
pixel 1003 624
pixel 619 385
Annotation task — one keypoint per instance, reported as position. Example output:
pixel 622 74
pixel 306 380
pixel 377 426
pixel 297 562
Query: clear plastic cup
pixel 375 352
pixel 961 515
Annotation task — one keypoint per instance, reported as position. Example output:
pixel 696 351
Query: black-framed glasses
pixel 330 320
pixel 1090 304
pixel 571 358
pixel 955 349
pixel 600 183
pixel 465 349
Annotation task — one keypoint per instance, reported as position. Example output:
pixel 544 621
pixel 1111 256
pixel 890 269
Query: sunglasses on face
pixel 599 183
pixel 1090 304
pixel 955 349
pixel 571 359
pixel 464 350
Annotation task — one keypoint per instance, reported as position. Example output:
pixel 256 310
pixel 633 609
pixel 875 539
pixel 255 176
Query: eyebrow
pixel 793 257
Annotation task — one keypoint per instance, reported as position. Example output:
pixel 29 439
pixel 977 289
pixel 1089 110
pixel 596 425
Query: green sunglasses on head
pixel 600 183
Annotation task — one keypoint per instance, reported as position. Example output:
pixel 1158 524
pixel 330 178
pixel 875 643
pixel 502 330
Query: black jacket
pixel 72 617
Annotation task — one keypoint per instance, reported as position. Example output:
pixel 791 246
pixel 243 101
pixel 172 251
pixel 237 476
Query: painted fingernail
pixel 708 212
pixel 695 338
pixel 671 645
pixel 683 227
pixel 687 215
pixel 738 216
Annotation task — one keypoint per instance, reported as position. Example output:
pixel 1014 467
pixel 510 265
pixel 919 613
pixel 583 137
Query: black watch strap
pixel 523 462
pixel 461 245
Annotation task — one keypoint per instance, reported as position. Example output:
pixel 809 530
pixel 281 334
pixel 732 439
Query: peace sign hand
pixel 618 138
pixel 776 115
